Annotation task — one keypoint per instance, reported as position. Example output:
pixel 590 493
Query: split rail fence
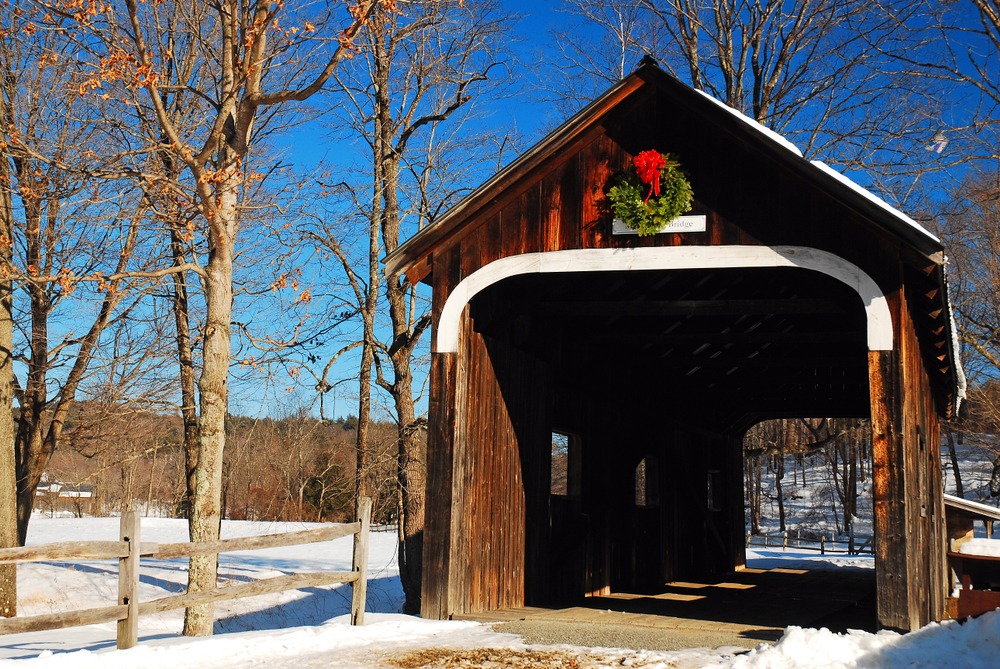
pixel 785 540
pixel 129 550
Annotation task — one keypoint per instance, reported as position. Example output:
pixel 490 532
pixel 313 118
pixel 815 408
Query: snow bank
pixel 987 547
pixel 333 644
pixel 948 645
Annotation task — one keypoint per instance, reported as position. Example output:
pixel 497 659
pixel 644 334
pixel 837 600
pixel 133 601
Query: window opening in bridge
pixel 566 469
pixel 808 484
pixel 647 482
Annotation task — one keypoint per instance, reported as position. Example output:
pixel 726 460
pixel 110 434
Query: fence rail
pixel 130 549
pixel 785 540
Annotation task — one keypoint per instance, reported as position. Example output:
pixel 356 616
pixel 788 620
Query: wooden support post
pixel 359 588
pixel 892 559
pixel 128 581
pixel 435 603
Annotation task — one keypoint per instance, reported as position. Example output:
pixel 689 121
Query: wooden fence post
pixel 128 581
pixel 359 588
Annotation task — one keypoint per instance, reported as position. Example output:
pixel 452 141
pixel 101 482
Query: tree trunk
pixel 409 488
pixel 779 473
pixel 956 472
pixel 185 357
pixel 361 456
pixel 8 480
pixel 834 455
pixel 753 486
pixel 30 445
pixel 851 487
pixel 39 425
pixel 206 511
pixel 995 477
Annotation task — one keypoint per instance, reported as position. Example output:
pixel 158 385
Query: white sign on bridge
pixel 680 224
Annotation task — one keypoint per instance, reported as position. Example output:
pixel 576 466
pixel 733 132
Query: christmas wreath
pixel 652 195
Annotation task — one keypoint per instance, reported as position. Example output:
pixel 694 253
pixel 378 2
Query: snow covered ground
pixel 309 628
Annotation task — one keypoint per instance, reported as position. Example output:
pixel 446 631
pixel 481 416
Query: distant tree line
pixel 293 468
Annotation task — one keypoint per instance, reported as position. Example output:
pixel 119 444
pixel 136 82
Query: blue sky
pixel 308 145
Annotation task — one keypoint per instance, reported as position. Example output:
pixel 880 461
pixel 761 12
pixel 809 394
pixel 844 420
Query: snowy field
pixel 812 508
pixel 308 628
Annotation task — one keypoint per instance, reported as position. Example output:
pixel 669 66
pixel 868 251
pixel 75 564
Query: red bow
pixel 647 166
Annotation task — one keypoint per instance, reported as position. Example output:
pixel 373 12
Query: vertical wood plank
pixel 928 567
pixel 359 565
pixel 438 499
pixel 889 504
pixel 438 571
pixel 490 238
pixel 525 229
pixel 571 193
pixel 599 164
pixel 459 541
pixel 128 581
pixel 489 499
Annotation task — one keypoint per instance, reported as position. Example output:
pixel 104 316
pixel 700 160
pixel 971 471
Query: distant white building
pixel 59 497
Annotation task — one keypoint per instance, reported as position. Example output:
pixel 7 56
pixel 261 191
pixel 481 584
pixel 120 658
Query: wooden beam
pixel 165 551
pixel 632 339
pixel 53 621
pixel 82 550
pixel 656 308
pixel 802 363
pixel 252 589
pixel 420 270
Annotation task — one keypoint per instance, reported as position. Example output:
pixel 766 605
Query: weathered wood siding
pixel 746 199
pixel 909 521
pixel 477 508
pixel 926 530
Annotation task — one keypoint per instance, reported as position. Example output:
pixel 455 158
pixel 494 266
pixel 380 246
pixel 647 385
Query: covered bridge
pixel 590 390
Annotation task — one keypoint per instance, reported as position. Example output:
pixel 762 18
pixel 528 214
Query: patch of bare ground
pixel 508 658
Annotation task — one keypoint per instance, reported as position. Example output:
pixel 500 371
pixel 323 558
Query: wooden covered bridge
pixel 788 291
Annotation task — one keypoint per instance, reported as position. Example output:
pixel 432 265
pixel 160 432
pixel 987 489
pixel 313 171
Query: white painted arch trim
pixel 880 335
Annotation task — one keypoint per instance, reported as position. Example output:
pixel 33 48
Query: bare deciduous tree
pixel 73 230
pixel 816 71
pixel 411 96
pixel 972 233
pixel 250 61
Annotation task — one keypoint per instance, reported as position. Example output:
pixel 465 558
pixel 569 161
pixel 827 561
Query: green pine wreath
pixel 636 200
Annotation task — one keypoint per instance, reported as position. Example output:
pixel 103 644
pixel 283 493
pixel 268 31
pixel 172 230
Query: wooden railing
pixel 129 550
pixel 785 540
